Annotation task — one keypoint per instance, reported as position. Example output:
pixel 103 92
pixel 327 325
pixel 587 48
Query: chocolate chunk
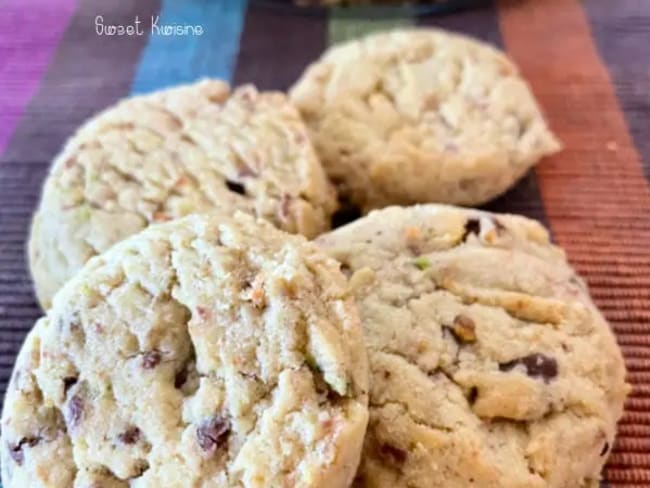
pixel 150 359
pixel 472 226
pixel 213 433
pixel 180 378
pixel 463 329
pixel 69 382
pixel 392 454
pixel 235 187
pixel 605 449
pixel 16 451
pixel 75 410
pixel 537 365
pixel 472 395
pixel 130 435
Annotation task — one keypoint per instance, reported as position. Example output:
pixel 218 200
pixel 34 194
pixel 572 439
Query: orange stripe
pixel 595 193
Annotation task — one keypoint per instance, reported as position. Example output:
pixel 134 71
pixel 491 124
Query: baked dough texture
pixel 211 351
pixel 156 157
pixel 490 365
pixel 421 115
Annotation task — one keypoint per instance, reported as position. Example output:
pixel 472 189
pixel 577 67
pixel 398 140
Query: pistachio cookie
pixel 208 351
pixel 421 115
pixel 490 365
pixel 178 151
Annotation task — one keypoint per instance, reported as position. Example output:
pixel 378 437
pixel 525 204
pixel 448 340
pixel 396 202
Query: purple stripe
pixel 88 73
pixel 29 33
pixel 276 46
pixel 622 35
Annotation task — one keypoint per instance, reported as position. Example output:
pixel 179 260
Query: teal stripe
pixel 346 23
pixel 169 60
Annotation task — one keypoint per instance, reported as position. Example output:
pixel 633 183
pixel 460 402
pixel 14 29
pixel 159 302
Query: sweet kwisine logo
pixel 138 28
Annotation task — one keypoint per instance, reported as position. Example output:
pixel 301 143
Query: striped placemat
pixel 587 62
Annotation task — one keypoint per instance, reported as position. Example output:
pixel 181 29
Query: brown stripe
pixel 595 194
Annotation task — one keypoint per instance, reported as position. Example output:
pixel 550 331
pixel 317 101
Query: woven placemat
pixel 584 60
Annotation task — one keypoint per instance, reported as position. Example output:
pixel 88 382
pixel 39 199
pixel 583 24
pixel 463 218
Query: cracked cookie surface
pixel 178 151
pixel 421 115
pixel 490 365
pixel 208 351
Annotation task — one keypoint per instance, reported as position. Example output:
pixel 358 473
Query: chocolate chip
pixel 472 226
pixel 150 359
pixel 392 454
pixel 75 410
pixel 180 378
pixel 235 187
pixel 536 365
pixel 16 451
pixel 213 433
pixel 605 449
pixel 346 269
pixel 345 215
pixel 472 395
pixel 130 435
pixel 69 382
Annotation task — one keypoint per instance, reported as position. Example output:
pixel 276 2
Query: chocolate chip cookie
pixel 207 351
pixel 490 365
pixel 157 157
pixel 421 115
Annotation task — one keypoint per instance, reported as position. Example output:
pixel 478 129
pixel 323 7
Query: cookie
pixel 490 365
pixel 162 156
pixel 207 351
pixel 421 115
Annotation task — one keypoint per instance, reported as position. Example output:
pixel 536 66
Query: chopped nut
pixel 464 329
pixel 150 359
pixel 360 279
pixel 161 216
pixel 129 436
pixel 393 455
pixel 16 451
pixel 412 233
pixel 213 433
pixel 75 410
pixel 202 312
pixel 422 263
